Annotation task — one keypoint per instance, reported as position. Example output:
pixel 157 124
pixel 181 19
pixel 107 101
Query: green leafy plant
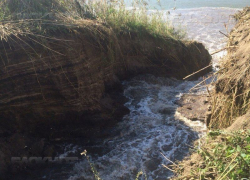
pixel 224 155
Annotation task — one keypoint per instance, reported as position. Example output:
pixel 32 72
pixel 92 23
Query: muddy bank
pixel 194 107
pixel 68 85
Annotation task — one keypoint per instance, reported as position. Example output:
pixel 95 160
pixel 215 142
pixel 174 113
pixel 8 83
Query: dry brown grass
pixel 232 90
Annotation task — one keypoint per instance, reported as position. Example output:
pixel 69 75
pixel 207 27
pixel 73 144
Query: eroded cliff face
pixel 66 84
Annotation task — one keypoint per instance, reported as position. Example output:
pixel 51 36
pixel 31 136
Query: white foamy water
pixel 153 125
pixel 150 128
pixel 204 25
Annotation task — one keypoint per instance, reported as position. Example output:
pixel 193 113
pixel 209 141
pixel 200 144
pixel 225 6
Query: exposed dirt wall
pixel 47 83
pixel 68 84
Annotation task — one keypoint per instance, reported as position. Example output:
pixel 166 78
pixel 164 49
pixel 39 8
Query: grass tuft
pixel 222 155
pixel 52 14
pixel 137 20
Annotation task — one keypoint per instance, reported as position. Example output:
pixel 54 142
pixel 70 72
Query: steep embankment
pixel 232 89
pixel 224 153
pixel 66 84
pixel 46 83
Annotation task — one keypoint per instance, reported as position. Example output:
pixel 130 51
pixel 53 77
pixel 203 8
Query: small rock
pixel 167 110
pixel 167 147
pixel 152 164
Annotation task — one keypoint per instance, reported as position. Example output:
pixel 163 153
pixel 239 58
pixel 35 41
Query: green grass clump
pixel 113 14
pixel 223 155
pixel 136 20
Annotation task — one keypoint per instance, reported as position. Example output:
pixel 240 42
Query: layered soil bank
pixel 67 84
pixel 70 80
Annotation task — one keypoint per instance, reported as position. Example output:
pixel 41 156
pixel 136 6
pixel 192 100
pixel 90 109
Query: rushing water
pixel 150 128
pixel 153 125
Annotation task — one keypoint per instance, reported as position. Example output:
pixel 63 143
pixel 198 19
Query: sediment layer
pixel 47 85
